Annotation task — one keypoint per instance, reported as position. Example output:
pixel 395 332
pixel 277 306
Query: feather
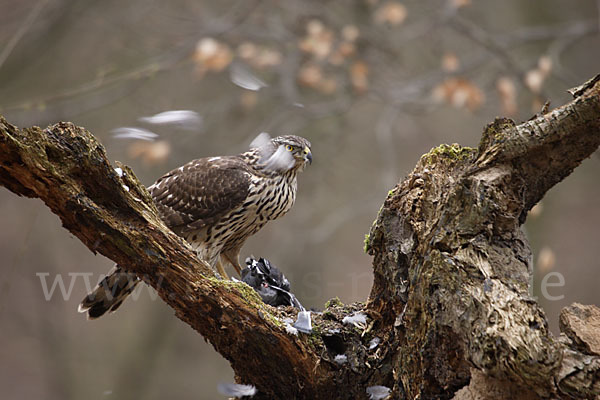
pixel 280 161
pixel 378 392
pixel 358 319
pixel 275 159
pixel 185 119
pixel 303 322
pixel 236 390
pixel 127 132
pixel 261 140
pixel 245 79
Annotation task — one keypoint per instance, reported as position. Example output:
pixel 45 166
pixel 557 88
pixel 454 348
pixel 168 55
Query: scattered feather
pixel 340 359
pixel 128 132
pixel 334 331
pixel 119 172
pixel 303 323
pixel 357 319
pixel 272 159
pixel 374 343
pixel 280 160
pixel 236 390
pixel 184 119
pixel 245 79
pixel 263 139
pixel 291 330
pixel 378 392
pixel 400 317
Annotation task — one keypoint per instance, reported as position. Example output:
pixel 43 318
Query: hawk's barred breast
pixel 216 203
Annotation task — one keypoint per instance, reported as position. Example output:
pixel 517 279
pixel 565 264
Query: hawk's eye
pixel 289 147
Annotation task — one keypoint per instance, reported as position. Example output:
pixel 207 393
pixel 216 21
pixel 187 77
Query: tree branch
pixel 449 308
pixel 67 168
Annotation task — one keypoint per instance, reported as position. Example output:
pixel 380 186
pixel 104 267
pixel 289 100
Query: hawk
pixel 216 204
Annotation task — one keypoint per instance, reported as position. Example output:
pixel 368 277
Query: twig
pixel 12 43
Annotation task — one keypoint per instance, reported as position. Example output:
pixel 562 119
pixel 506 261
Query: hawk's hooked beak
pixel 307 155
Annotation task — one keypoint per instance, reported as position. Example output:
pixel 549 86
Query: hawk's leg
pixel 221 270
pixel 233 257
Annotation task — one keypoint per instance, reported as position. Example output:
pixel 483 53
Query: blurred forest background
pixel 373 84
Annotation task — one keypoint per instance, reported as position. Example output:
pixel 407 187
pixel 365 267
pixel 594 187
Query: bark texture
pixel 449 315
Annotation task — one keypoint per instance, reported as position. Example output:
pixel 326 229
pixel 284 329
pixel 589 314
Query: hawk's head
pixel 283 153
pixel 297 146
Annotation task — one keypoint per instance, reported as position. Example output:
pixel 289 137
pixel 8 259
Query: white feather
pixel 378 392
pixel 357 319
pixel 341 359
pixel 245 79
pixel 185 119
pixel 127 132
pixel 236 390
pixel 303 323
pixel 263 139
pixel 281 160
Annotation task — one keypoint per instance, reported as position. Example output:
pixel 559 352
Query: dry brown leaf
pixel 350 33
pixel 260 57
pixel 359 76
pixel 310 75
pixel 450 62
pixel 392 13
pixel 546 259
pixel 318 40
pixel 341 53
pixel 508 95
pixel 545 65
pixel 460 3
pixel 247 51
pixel 150 153
pixel 536 210
pixel 534 79
pixel 460 93
pixel 211 55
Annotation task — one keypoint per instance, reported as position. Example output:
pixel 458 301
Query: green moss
pixel 250 297
pixel 366 246
pixel 496 132
pixel 453 153
pixel 334 302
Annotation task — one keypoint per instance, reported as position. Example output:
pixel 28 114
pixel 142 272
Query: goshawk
pixel 216 204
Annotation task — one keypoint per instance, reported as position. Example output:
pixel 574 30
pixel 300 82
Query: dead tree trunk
pixel 449 315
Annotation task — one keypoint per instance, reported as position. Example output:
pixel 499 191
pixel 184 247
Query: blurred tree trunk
pixel 449 315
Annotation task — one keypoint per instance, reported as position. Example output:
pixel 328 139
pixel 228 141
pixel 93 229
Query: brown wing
pixel 201 192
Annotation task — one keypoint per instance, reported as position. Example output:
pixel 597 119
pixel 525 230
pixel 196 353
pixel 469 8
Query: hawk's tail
pixel 109 294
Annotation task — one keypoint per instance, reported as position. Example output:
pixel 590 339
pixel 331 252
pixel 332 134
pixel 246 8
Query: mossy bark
pixel 449 313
